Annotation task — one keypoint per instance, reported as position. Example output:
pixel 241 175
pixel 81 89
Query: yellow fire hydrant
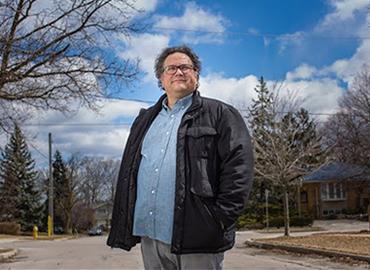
pixel 35 232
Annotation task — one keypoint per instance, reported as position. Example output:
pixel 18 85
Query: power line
pixel 78 124
pixel 129 123
pixel 131 99
pixel 310 113
pixel 260 35
pixel 38 151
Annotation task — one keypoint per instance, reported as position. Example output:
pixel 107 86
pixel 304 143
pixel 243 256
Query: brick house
pixel 103 213
pixel 336 188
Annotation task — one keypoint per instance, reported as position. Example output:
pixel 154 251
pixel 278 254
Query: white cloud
pixel 146 5
pixel 318 95
pixel 289 39
pixel 346 69
pixel 146 47
pixel 304 71
pixel 102 134
pixel 195 20
pixel 322 83
pixel 110 110
pixel 344 10
pixel 232 90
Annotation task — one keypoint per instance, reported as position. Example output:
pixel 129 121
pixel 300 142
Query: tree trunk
pixel 67 222
pixel 286 213
pixel 299 201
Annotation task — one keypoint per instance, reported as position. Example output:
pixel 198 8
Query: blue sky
pixel 312 48
pixel 261 38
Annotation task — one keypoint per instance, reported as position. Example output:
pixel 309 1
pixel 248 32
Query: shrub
pixel 276 222
pixel 293 221
pixel 10 228
pixel 332 216
pixel 301 221
pixel 247 222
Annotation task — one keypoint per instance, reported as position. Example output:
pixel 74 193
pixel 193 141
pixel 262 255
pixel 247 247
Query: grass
pixel 355 243
pixel 292 229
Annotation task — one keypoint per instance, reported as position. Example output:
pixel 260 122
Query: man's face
pixel 180 83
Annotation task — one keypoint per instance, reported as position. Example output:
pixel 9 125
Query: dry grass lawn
pixel 354 243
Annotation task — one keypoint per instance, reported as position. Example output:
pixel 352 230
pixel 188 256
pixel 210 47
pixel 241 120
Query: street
pixel 92 253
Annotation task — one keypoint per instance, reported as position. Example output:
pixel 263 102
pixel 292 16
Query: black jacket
pixel 214 172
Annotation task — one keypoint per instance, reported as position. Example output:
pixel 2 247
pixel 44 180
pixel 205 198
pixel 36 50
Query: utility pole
pixel 51 192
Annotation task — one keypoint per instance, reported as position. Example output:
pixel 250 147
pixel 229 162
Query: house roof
pixel 338 171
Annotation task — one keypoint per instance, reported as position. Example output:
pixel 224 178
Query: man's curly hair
pixel 159 61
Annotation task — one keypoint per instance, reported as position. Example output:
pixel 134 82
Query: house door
pixel 365 202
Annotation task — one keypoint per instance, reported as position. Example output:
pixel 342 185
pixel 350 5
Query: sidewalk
pixel 341 225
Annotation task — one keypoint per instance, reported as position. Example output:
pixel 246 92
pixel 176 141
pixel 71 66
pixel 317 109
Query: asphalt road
pixel 92 253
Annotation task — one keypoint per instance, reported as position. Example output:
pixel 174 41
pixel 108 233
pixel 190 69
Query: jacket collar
pixel 196 103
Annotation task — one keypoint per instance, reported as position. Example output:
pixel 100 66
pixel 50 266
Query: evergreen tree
pixel 63 193
pixel 300 130
pixel 20 199
pixel 261 115
pixel 261 112
pixel 285 147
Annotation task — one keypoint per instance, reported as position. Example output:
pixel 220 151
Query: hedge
pixel 10 228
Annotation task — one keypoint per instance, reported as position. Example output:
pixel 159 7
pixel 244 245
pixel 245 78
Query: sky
pixel 310 48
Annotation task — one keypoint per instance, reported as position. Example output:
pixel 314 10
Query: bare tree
pixel 70 198
pixel 110 169
pixel 286 145
pixel 356 101
pixel 348 131
pixel 57 53
pixel 292 150
pixel 98 180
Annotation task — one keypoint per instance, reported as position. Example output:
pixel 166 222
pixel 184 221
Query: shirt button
pixel 153 191
pixel 156 170
pixel 150 213
pixel 167 132
pixel 162 150
pixel 172 116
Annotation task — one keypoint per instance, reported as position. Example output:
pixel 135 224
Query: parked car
pixel 58 230
pixel 95 231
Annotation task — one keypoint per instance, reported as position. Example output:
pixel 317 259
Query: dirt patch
pixel 353 243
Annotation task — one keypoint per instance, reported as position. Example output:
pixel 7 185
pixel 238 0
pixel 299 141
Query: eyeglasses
pixel 172 69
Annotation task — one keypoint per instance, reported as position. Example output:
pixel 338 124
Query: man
pixel 185 175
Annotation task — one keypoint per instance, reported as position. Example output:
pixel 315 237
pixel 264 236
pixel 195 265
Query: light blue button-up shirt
pixel 156 180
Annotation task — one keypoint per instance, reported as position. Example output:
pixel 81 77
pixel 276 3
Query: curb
pixel 305 250
pixel 8 254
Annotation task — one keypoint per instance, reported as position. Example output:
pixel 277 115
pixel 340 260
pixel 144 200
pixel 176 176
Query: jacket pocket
pixel 201 141
pixel 200 177
pixel 208 205
pixel 202 230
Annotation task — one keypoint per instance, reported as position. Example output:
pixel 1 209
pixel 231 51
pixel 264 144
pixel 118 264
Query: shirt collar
pixel 180 104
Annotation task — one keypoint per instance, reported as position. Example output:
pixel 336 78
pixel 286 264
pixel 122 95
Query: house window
pixel 304 196
pixel 332 191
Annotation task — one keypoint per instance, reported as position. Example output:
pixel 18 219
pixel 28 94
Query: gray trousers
pixel 157 255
